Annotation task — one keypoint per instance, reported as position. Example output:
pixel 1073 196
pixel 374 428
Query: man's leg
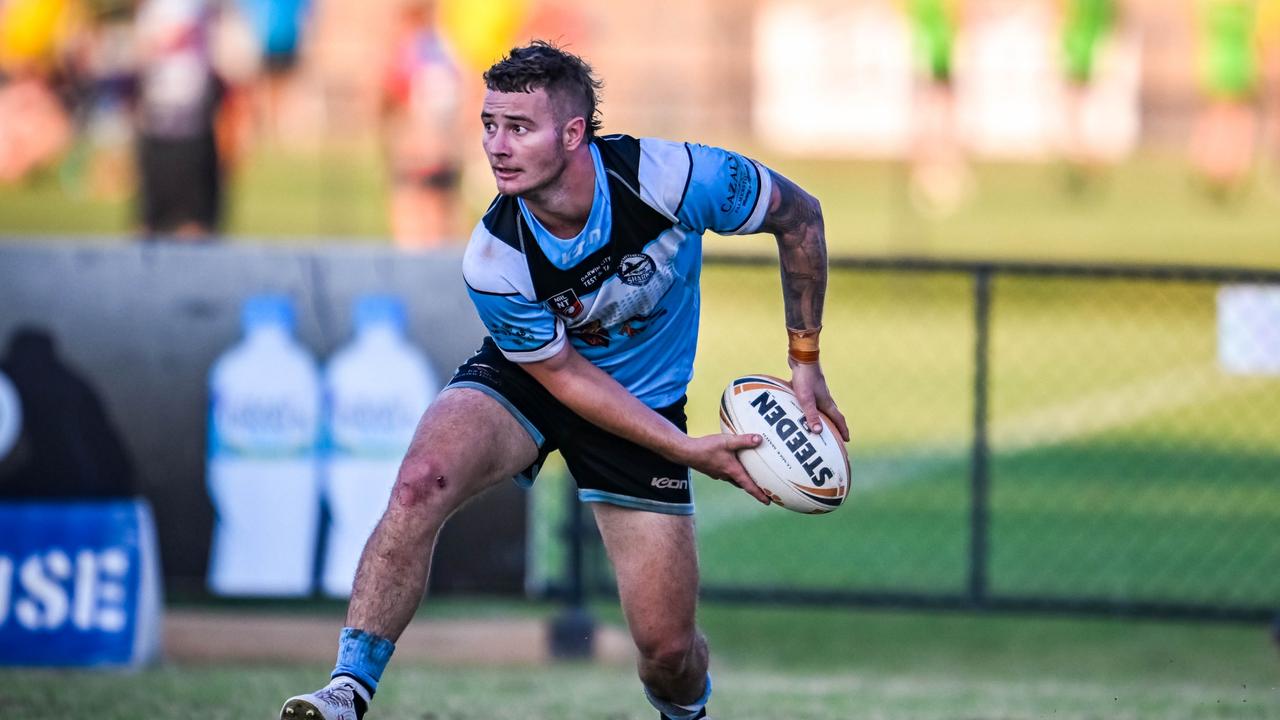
pixel 656 561
pixel 465 443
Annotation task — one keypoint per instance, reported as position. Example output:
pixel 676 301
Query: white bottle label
pixel 263 469
pixel 268 521
pixel 378 391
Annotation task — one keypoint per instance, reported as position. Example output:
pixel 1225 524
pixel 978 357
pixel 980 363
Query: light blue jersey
pixel 624 291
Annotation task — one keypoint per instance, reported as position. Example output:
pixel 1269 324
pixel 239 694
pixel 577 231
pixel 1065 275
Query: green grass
pixel 807 665
pixel 1126 465
pixel 1146 210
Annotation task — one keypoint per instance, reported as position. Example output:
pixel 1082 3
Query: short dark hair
pixel 565 76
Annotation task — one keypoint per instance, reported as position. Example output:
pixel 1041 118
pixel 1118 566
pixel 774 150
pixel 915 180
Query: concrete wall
pixel 144 324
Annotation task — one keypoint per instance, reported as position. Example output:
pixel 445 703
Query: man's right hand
pixel 717 456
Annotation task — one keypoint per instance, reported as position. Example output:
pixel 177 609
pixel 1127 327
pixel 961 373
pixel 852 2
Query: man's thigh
pixel 470 438
pixel 655 558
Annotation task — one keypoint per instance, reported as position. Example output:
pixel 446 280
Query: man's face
pixel 522 141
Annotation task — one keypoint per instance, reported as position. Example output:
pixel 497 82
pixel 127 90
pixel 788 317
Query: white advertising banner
pixel 839 79
pixel 833 78
pixel 1008 92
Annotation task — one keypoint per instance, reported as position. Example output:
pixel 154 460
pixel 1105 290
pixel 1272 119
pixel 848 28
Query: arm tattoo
pixel 795 218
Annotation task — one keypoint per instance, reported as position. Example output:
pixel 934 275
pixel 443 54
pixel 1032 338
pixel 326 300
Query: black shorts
pixel 181 183
pixel 605 467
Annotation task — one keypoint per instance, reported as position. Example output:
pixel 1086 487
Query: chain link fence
pixel 1083 439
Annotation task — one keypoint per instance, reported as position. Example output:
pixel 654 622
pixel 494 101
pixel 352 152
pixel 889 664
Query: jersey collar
pixel 566 252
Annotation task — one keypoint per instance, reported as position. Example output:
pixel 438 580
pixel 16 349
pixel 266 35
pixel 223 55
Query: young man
pixel 585 271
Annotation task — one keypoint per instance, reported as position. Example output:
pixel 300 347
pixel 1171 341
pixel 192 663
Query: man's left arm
pixel 794 217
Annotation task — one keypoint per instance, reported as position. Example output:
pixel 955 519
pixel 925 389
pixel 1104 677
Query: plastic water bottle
pixel 377 388
pixel 263 461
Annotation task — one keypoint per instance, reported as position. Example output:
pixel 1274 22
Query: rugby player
pixel 1086 26
pixel 1224 136
pixel 940 178
pixel 585 272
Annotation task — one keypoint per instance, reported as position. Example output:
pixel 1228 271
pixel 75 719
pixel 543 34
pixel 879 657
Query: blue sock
pixel 680 712
pixel 362 656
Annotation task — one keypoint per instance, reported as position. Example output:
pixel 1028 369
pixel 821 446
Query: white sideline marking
pixel 1113 407
pixel 1096 412
pixel 1104 409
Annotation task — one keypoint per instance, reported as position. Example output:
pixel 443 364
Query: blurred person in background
pixel 180 163
pixel 1269 52
pixel 940 176
pixel 422 130
pixel 101 164
pixel 478 33
pixel 36 84
pixel 1086 26
pixel 585 272
pixel 279 27
pixel 1224 139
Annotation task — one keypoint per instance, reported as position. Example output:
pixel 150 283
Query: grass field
pixel 1146 210
pixel 801 665
pixel 1125 465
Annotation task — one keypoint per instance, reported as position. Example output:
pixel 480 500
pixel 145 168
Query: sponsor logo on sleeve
pixel 519 335
pixel 738 189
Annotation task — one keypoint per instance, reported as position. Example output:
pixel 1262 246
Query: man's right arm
pixel 597 397
pixel 727 193
pixel 528 334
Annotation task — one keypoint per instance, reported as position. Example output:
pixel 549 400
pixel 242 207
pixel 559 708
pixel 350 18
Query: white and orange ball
pixel 802 471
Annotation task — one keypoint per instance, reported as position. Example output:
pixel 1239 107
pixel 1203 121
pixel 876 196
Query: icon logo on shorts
pixel 566 304
pixel 636 269
pixel 670 483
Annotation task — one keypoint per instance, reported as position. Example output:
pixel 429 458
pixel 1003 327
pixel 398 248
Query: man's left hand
pixel 810 387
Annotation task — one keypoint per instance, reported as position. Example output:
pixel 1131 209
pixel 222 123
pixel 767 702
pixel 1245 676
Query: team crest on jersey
pixel 566 304
pixel 636 269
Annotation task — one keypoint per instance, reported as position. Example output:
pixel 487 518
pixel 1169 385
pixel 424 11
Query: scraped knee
pixel 427 486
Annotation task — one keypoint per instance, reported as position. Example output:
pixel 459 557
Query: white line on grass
pixel 1096 412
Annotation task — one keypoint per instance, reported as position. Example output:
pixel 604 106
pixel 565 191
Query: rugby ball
pixel 799 470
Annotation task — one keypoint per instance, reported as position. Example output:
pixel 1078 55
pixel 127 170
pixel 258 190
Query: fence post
pixel 978 470
pixel 573 630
